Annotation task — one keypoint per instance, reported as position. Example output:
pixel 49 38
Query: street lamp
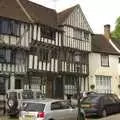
pixel 77 61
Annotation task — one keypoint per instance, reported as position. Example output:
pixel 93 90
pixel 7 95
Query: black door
pixel 58 87
pixel 2 86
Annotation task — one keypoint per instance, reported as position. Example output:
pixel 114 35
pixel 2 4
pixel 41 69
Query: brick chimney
pixel 107 31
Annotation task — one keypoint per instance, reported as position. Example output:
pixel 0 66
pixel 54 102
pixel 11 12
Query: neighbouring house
pixel 76 47
pixel 104 66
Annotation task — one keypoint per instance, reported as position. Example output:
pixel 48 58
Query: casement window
pixel 104 60
pixel 7 56
pixel 9 27
pixel 43 55
pixel 47 32
pixel 77 34
pixel 86 36
pixel 103 84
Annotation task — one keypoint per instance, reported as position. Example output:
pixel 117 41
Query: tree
pixel 116 33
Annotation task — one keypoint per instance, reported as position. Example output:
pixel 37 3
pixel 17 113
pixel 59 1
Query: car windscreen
pixel 91 99
pixel 38 107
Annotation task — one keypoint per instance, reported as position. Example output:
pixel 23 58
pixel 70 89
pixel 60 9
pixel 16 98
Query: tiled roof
pixel 102 45
pixel 117 43
pixel 39 14
pixel 64 14
pixel 11 9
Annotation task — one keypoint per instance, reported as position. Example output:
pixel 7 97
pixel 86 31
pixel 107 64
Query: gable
pixel 77 19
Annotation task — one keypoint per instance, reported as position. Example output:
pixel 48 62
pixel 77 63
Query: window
pixel 44 55
pixel 56 106
pixel 119 60
pixel 103 84
pixel 9 27
pixel 77 34
pixel 47 32
pixel 8 56
pixel 86 36
pixel 105 60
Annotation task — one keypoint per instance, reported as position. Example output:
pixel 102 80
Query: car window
pixel 56 106
pixel 65 105
pixel 111 99
pixel 91 99
pixel 33 107
pixel 108 100
pixel 116 98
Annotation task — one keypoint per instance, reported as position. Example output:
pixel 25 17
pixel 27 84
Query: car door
pixel 57 112
pixel 69 112
pixel 117 100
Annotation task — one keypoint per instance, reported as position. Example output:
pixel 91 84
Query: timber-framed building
pixel 42 49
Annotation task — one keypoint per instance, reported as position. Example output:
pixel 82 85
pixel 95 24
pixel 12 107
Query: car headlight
pixel 10 103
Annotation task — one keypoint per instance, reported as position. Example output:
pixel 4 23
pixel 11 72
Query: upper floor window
pixel 77 34
pixel 104 60
pixel 7 56
pixel 86 36
pixel 47 32
pixel 9 27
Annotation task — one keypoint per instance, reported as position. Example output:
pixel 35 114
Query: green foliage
pixel 116 33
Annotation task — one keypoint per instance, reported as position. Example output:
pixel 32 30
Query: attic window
pixel 47 32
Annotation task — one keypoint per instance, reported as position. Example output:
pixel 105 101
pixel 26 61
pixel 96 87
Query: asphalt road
pixel 112 117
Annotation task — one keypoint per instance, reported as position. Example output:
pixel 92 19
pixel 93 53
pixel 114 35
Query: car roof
pixel 43 100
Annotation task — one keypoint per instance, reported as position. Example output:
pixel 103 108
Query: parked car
pixel 49 109
pixel 101 104
pixel 15 98
pixel 83 95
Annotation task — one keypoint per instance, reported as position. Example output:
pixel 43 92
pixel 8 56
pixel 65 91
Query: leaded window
pixel 9 27
pixel 47 32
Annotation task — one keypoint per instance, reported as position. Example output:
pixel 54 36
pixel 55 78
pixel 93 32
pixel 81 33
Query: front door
pixel 2 86
pixel 58 87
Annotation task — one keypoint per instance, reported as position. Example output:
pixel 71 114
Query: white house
pixel 104 64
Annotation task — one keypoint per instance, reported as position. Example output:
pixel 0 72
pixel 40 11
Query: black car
pixel 101 104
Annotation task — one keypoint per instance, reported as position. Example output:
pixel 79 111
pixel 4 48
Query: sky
pixel 97 12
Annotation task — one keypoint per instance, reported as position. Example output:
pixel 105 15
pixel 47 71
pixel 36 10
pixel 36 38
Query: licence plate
pixel 85 105
pixel 28 117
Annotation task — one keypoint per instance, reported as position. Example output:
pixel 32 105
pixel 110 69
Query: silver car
pixel 49 109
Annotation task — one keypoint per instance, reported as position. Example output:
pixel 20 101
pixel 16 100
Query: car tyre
pixel 103 113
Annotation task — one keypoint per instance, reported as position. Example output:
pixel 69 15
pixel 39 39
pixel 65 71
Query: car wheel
pixel 103 113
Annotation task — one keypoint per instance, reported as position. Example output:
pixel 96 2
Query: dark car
pixel 101 104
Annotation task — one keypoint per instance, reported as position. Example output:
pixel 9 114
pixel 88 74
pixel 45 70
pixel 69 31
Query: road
pixel 112 117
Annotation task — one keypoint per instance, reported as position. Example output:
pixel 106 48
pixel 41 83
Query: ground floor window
pixel 103 84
